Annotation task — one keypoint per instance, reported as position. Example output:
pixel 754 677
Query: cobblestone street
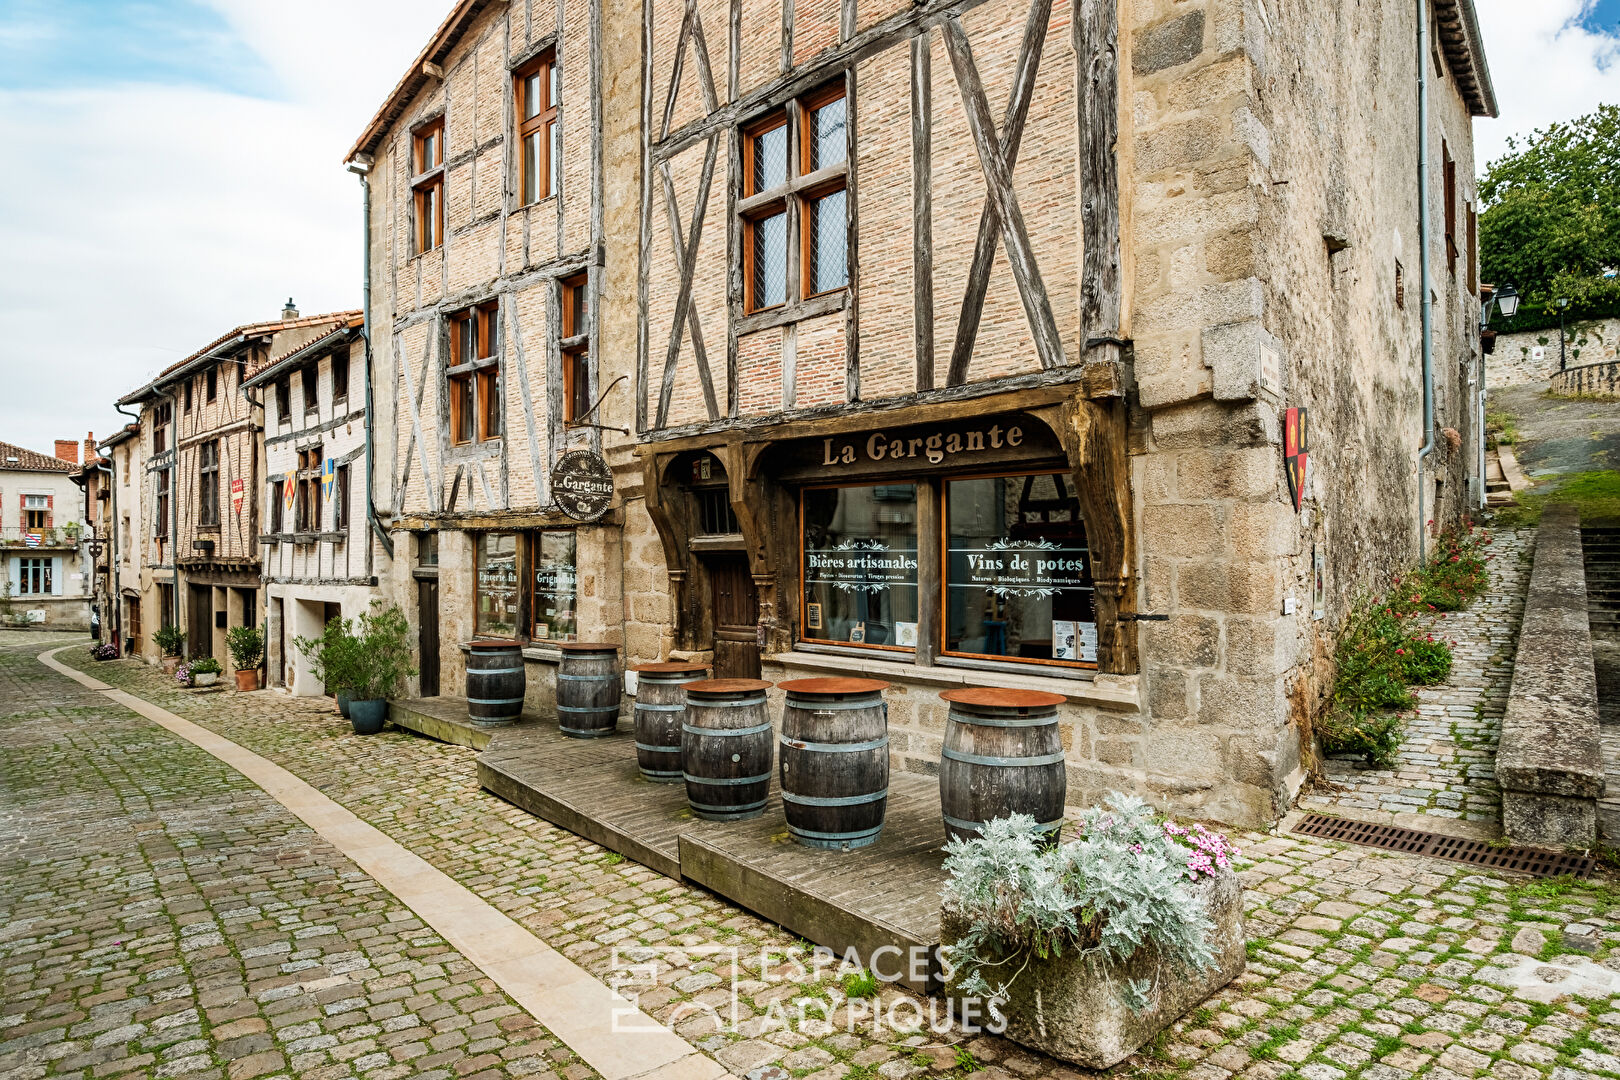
pixel 1362 964
pixel 1446 765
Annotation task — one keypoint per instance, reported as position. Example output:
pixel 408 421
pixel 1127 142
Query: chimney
pixel 289 313
pixel 89 447
pixel 67 450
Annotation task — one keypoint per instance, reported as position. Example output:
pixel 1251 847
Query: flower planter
pixel 204 678
pixel 368 717
pixel 247 680
pixel 343 702
pixel 171 664
pixel 1072 1007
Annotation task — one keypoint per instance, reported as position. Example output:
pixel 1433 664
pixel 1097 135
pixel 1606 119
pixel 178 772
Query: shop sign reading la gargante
pixel 934 448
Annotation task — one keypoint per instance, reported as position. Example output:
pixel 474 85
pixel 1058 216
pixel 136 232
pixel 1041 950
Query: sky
pixel 174 169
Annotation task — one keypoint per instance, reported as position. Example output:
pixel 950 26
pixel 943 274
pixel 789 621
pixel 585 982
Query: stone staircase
pixel 1600 546
pixel 1498 492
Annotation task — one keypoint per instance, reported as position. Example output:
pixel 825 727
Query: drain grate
pixel 1530 861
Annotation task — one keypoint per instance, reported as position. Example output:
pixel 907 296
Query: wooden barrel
pixel 1002 756
pixel 726 748
pixel 834 762
pixel 494 682
pixel 660 711
pixel 588 689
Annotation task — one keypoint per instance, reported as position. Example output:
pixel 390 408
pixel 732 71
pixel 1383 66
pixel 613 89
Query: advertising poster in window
pixel 1018 571
pixel 497 585
pixel 555 580
pixel 860 565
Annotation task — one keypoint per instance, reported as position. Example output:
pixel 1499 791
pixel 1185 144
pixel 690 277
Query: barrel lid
pixel 999 698
pixel 727 686
pixel 586 646
pixel 831 686
pixel 669 668
pixel 493 643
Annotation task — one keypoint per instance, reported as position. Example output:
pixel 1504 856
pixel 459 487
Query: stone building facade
pixel 316 547
pixel 488 240
pixel 951 343
pixel 200 566
pixel 124 455
pixel 45 578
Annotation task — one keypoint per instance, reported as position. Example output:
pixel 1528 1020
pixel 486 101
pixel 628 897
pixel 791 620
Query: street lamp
pixel 1563 306
pixel 1507 301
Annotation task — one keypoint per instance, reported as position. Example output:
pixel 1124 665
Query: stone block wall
pixel 1533 356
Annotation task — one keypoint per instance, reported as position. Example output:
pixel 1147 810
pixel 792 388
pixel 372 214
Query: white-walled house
pixel 315 544
pixel 41 522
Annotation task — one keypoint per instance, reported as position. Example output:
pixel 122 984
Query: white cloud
pixel 1545 65
pixel 143 221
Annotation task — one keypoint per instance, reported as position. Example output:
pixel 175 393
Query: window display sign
pixel 860 565
pixel 1018 570
pixel 497 585
pixel 555 580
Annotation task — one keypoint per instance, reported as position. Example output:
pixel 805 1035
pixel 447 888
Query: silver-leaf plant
pixel 1121 885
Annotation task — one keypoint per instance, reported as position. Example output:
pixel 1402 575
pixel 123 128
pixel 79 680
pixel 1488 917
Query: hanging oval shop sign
pixel 582 485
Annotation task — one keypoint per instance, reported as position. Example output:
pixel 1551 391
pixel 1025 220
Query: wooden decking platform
pixel 885 895
pixel 445 719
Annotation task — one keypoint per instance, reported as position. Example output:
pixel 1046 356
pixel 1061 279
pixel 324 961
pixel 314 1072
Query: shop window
pixel 535 94
pixel 474 376
pixel 34 577
pixel 208 483
pixel 552 555
pixel 859 563
pixel 576 347
pixel 795 175
pixel 427 185
pixel 497 585
pixel 1017 574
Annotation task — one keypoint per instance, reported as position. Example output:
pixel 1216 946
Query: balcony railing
pixel 57 538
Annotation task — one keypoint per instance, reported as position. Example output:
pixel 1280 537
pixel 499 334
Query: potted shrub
pixel 105 651
pixel 205 671
pixel 383 663
pixel 333 658
pixel 1086 950
pixel 169 640
pixel 247 653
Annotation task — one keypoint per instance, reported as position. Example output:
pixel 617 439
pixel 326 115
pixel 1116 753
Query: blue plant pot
pixel 343 701
pixel 368 717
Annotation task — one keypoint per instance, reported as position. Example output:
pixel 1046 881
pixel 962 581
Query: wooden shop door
pixel 427 598
pixel 736 618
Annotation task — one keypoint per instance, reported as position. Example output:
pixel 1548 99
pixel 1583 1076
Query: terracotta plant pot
pixel 247 680
pixel 368 717
pixel 170 664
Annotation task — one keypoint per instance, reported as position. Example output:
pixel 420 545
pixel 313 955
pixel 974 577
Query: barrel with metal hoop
pixel 494 682
pixel 588 689
pixel 726 748
pixel 660 710
pixel 834 761
pixel 1003 755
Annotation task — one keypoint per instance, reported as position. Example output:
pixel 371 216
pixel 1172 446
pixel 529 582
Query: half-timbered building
pixel 318 559
pixel 202 465
pixel 490 204
pixel 971 333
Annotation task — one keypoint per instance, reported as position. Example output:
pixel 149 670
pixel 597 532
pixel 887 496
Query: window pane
pixel 554 136
pixel 554 578
pixel 860 565
pixel 461 408
pixel 531 95
pixel 489 393
pixel 555 74
pixel 497 584
pixel 829 243
pixel 579 384
pixel 770 261
pixel 1017 572
pixel 466 340
pixel 827 135
pixel 531 168
pixel 770 158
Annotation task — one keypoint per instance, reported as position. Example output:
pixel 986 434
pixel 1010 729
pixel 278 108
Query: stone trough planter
pixel 1072 1008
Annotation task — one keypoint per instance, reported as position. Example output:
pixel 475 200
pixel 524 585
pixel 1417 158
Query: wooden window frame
pixel 1448 173
pixel 1472 253
pixel 162 492
pixel 186 397
pixel 162 420
pixel 427 185
pixel 307 506
pixel 211 384
pixel 544 124
pixel 528 598
pixel 283 401
pixel 482 373
pixel 794 197
pixel 574 346
pixel 340 499
pixel 208 483
pixel 803 634
pixel 340 362
pixel 275 515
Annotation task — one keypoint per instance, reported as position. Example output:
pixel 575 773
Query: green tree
pixel 1551 223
